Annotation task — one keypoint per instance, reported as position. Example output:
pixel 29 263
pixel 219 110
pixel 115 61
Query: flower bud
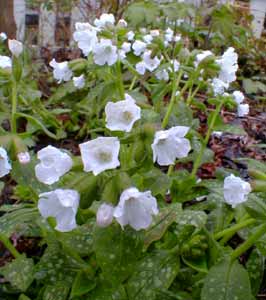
pixel 105 215
pixel 15 47
pixel 122 23
pixel 23 157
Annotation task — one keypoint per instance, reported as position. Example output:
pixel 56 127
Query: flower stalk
pixel 9 246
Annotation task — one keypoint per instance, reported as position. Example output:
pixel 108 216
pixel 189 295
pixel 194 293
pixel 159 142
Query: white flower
pixel 219 86
pixel 175 65
pixel 122 23
pixel 170 144
pixel 5 62
pixel 126 47
pixel 169 34
pixel 162 75
pixel 104 215
pixel 130 35
pixel 23 157
pixel 147 38
pixel 155 32
pixel 100 154
pixel 236 190
pixel 5 165
pixel 136 208
pixel 15 47
pixel 54 164
pixel 201 56
pixel 79 82
pixel 217 133
pixel 62 205
pixel 238 97
pixel 177 38
pixel 242 110
pixel 104 20
pixel 105 53
pixel 228 65
pixel 3 36
pixel 139 47
pixel 141 68
pixel 122 115
pixel 86 37
pixel 150 63
pixel 61 71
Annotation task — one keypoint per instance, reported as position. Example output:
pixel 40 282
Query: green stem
pixel 190 98
pixel 133 83
pixel 173 97
pixel 9 246
pixel 120 81
pixel 233 229
pixel 14 107
pixel 206 140
pixel 249 242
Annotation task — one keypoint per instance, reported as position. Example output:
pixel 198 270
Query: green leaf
pixel 192 217
pixel 154 272
pixel 103 292
pixel 255 267
pixel 226 281
pixel 253 87
pixel 19 272
pixel 161 222
pixel 19 220
pixel 58 291
pixel 23 297
pixel 82 285
pixel 117 251
pixel 256 207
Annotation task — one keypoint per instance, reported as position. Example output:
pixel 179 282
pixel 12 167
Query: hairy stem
pixel 6 242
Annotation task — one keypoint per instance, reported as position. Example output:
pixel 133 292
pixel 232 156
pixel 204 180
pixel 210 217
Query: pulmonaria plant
pixel 133 210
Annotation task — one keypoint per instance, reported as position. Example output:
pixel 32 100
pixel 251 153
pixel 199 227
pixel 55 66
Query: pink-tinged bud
pixel 23 157
pixel 105 215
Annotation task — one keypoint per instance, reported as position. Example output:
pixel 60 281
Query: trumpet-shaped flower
pixel 139 47
pixel 104 215
pixel 5 62
pixel 62 204
pixel 61 71
pixel 100 154
pixel 151 63
pixel 105 53
pixel 242 110
pixel 201 56
pixel 104 20
pixel 219 86
pixel 168 145
pixel 136 208
pixel 228 65
pixel 54 163
pixel 238 97
pixel 130 35
pixel 23 157
pixel 236 190
pixel 5 165
pixel 162 75
pixel 79 82
pixel 86 37
pixel 3 36
pixel 122 115
pixel 15 47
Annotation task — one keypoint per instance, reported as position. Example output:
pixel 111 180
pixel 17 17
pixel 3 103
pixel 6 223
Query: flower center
pixel 127 116
pixel 48 161
pixel 105 156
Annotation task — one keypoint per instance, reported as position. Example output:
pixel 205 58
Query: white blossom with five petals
pixel 136 209
pixel 100 154
pixel 105 53
pixel 5 62
pixel 236 190
pixel 122 115
pixel 5 165
pixel 54 163
pixel 62 204
pixel 61 71
pixel 168 145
